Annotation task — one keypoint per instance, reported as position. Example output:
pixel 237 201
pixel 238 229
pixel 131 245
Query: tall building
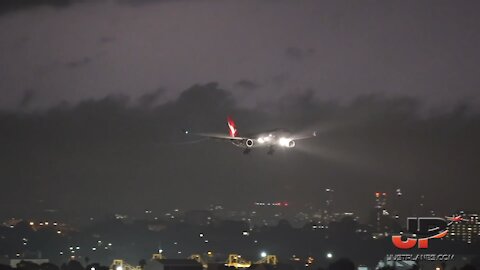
pixel 381 214
pixel 396 204
pixel 327 216
pixel 466 231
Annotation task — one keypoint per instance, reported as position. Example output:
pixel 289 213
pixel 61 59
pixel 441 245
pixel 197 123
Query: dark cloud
pixel 27 98
pixel 16 5
pixel 338 48
pixel 247 85
pixel 140 3
pixel 281 79
pixel 107 39
pixel 151 98
pixel 76 156
pixel 299 53
pixel 79 63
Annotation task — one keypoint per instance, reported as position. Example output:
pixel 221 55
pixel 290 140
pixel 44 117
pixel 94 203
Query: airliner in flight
pixel 271 139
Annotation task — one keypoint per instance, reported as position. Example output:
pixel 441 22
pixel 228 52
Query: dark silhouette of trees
pixel 284 224
pixel 387 267
pixel 468 267
pixel 5 267
pixel 342 264
pixel 74 265
pixel 414 267
pixel 142 263
pixel 49 266
pixel 96 266
pixel 25 265
pixel 476 261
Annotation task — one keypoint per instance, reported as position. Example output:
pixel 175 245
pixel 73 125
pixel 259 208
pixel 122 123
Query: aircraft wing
pixel 232 130
pixel 220 136
pixel 305 136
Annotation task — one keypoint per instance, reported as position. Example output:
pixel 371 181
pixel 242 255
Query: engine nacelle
pixel 291 144
pixel 286 142
pixel 249 143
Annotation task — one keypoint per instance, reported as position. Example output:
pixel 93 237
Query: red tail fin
pixel 232 129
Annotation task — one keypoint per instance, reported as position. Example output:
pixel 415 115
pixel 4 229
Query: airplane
pixel 278 137
pixel 455 218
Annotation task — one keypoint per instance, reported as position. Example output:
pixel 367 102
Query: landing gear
pixel 246 151
pixel 271 150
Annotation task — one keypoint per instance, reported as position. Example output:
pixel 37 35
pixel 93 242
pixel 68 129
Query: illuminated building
pixel 382 220
pixel 396 203
pixel 466 231
pixel 235 260
pixel 118 264
pixel 267 259
pixel 380 209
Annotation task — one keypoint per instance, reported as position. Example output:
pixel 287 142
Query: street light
pixel 263 254
pixel 329 255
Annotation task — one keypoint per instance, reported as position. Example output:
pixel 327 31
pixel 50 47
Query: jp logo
pixel 422 229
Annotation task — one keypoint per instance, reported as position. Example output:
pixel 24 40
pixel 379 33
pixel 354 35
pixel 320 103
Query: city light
pixel 263 254
pixel 329 255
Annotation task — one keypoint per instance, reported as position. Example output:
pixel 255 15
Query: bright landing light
pixel 284 142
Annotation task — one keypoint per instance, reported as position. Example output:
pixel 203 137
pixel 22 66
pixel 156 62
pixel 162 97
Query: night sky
pixel 94 95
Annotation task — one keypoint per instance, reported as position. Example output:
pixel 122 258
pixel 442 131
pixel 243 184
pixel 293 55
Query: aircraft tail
pixel 232 128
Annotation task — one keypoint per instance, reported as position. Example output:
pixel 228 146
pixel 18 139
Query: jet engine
pixel 286 142
pixel 291 144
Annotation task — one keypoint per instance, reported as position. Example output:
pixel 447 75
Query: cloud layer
pixel 122 154
pixel 339 49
